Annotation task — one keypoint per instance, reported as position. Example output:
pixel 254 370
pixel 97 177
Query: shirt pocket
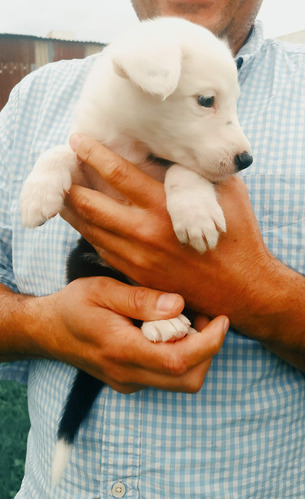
pixel 278 200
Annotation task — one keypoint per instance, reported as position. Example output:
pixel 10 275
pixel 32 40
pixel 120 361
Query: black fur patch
pixel 84 261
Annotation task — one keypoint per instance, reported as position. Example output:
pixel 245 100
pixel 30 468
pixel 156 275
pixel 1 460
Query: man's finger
pixel 199 347
pixel 97 209
pixel 140 378
pixel 147 304
pixel 177 359
pixel 134 184
pixel 135 301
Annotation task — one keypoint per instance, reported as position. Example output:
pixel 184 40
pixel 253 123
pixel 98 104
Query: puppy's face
pixel 182 107
pixel 197 126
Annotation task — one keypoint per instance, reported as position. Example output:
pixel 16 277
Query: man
pixel 242 434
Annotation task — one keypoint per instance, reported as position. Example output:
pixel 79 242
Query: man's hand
pixel 240 278
pixel 138 239
pixel 87 325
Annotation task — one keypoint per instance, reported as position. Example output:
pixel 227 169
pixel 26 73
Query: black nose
pixel 243 161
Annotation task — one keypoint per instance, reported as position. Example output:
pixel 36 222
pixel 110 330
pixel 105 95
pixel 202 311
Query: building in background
pixel 21 54
pixel 297 37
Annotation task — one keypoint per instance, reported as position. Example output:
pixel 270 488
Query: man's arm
pixel 86 325
pixel 14 344
pixel 240 278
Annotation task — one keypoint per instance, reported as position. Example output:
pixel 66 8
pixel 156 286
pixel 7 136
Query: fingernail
pixel 74 141
pixel 166 302
pixel 225 325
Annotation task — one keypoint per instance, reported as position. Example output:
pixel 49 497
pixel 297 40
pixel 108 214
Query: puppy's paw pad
pixel 167 329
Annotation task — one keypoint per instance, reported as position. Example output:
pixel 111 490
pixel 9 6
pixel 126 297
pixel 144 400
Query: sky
pixel 103 20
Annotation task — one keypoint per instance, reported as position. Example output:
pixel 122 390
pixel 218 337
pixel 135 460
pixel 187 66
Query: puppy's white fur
pixel 141 99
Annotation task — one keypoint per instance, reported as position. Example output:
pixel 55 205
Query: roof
pixel 38 38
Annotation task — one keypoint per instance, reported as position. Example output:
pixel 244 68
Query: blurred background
pixel 32 34
pixel 68 29
pixel 102 20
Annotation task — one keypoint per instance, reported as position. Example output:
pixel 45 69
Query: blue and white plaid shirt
pixel 243 434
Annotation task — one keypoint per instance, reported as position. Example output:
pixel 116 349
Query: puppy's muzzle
pixel 243 160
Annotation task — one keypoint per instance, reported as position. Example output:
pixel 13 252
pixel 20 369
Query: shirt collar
pixel 252 46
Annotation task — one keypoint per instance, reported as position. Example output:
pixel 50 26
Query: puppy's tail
pixel 61 458
pixel 83 393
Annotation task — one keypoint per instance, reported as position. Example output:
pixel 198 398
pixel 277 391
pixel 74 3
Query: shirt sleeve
pixel 18 370
pixel 7 132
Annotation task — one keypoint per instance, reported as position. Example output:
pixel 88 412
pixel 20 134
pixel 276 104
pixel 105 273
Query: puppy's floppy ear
pixel 154 65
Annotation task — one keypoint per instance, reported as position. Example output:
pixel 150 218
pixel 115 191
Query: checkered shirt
pixel 243 434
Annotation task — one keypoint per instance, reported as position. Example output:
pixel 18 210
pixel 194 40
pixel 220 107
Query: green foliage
pixel 14 427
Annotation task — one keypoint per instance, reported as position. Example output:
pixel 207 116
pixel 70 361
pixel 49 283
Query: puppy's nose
pixel 243 161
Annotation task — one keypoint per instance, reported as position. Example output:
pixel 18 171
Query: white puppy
pixel 166 90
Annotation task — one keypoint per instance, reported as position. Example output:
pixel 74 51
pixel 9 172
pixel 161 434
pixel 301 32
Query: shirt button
pixel 118 490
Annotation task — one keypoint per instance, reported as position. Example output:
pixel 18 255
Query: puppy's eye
pixel 206 102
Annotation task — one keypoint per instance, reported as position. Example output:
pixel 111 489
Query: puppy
pixel 163 97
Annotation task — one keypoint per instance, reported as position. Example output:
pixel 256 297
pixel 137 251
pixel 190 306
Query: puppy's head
pixel 180 88
pixel 150 57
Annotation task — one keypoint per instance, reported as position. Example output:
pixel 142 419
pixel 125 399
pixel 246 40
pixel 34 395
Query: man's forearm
pixel 18 326
pixel 278 319
pixel 273 312
pixel 264 300
pixel 108 346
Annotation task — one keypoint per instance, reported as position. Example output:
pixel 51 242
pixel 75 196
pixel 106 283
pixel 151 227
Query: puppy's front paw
pixel 166 329
pixel 199 225
pixel 44 190
pixel 41 199
pixel 191 199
